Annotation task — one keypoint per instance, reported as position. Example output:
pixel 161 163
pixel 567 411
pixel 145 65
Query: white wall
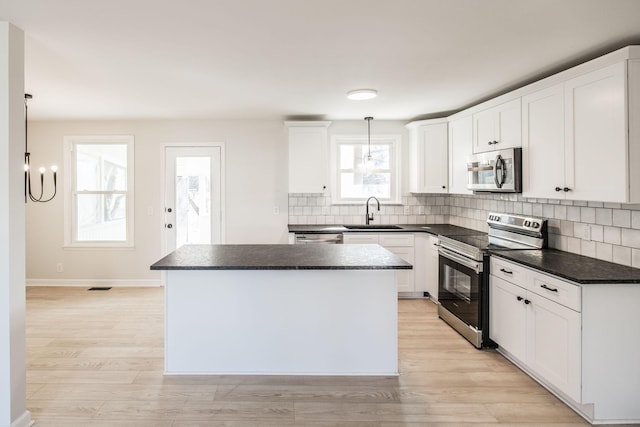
pixel 12 243
pixel 256 181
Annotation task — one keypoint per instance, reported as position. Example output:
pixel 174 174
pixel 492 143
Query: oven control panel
pixel 516 221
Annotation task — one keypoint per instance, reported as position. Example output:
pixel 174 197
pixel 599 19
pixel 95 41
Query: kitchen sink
pixel 373 227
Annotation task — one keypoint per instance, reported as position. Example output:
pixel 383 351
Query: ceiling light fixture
pixel 27 166
pixel 369 162
pixel 362 94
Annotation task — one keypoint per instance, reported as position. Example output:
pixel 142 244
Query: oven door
pixel 459 283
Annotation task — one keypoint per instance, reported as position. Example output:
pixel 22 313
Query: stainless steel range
pixel 463 283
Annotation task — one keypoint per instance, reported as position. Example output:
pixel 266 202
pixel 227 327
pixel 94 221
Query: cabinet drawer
pixel 556 290
pixel 360 238
pixel 396 239
pixel 509 271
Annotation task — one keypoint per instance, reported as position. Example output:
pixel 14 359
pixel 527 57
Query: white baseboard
pixel 23 420
pixel 96 282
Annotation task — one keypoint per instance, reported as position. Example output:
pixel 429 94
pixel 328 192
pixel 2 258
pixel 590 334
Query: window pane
pixel 347 156
pixel 382 156
pixel 101 167
pixel 359 185
pixel 101 217
pixel 193 200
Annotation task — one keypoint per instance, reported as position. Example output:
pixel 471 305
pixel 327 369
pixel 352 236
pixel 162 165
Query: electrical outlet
pixel 59 267
pixel 276 210
pixel 586 232
pixel 407 210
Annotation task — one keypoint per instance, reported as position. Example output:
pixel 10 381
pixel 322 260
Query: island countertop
pixel 281 257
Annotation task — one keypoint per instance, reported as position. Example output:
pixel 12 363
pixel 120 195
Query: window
pixel 99 202
pixel 352 181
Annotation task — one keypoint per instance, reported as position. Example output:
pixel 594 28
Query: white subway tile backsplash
pixel 613 229
pixel 588 215
pixel 622 255
pixel 621 218
pixel 604 216
pixel 612 235
pixel 604 251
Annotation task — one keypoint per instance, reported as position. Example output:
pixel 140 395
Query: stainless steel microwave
pixel 495 171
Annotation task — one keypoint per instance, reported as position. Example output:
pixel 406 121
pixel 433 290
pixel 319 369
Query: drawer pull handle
pixel 506 271
pixel 548 288
pixel 519 298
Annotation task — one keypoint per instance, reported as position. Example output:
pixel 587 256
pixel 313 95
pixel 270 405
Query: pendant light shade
pixel 368 162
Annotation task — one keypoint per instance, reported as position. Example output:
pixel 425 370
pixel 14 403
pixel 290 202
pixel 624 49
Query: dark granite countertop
pixel 577 268
pixel 435 229
pixel 281 257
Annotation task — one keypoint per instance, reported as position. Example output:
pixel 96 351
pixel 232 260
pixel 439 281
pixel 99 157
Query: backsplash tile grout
pixel 613 229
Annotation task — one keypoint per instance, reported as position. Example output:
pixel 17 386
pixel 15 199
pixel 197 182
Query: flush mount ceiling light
pixel 362 94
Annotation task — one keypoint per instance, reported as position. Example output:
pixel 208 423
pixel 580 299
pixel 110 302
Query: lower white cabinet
pixel 401 244
pixel 578 340
pixel 432 269
pixel 538 332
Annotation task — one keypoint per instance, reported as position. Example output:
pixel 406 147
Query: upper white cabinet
pixel 428 156
pixel 577 143
pixel 498 127
pixel 543 153
pixel 460 148
pixel 308 157
pixel 597 166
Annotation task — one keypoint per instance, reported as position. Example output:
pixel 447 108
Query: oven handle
pixel 472 264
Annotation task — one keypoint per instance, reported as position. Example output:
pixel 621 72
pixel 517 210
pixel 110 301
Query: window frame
pixel 395 170
pixel 71 193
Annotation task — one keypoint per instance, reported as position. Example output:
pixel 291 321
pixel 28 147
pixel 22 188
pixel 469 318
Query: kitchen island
pixel 281 309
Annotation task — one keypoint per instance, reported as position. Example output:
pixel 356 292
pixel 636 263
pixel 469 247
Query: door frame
pixel 163 148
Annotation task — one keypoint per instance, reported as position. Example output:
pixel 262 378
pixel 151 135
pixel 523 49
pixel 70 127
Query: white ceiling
pixel 276 59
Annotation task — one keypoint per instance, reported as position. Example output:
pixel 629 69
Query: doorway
pixel 192 196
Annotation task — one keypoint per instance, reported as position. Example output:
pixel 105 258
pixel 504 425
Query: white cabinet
pixel 401 244
pixel 573 339
pixel 575 140
pixel 498 127
pixel 432 268
pixel 428 156
pixel 308 157
pixel 597 165
pixel 537 331
pixel 460 148
pixel 543 154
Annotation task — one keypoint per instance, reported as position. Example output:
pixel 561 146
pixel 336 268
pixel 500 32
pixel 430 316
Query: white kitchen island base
pixel 291 322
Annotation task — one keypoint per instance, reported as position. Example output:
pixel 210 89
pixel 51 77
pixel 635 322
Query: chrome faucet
pixel 369 217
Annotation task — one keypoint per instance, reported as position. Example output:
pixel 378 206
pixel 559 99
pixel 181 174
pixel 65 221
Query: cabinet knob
pixel 519 298
pixel 527 301
pixel 566 189
pixel 558 189
pixel 169 225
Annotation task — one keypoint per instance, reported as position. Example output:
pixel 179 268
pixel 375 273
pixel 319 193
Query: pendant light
pixel 368 161
pixel 27 166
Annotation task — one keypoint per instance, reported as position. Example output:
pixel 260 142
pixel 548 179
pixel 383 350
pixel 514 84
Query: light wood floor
pixel 96 359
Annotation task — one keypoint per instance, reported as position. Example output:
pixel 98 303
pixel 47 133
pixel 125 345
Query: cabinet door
pixel 498 127
pixel 428 160
pixel 308 158
pixel 596 136
pixel 507 316
pixel 360 238
pixel 460 148
pixel 432 276
pixel 553 344
pixel 543 143
pixel 405 277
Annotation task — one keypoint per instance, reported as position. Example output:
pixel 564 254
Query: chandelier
pixel 28 195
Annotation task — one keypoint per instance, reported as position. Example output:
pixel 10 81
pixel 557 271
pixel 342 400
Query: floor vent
pixel 98 288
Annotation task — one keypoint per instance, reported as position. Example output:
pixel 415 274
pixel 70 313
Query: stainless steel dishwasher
pixel 318 238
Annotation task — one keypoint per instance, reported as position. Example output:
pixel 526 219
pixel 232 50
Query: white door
pixel 193 201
